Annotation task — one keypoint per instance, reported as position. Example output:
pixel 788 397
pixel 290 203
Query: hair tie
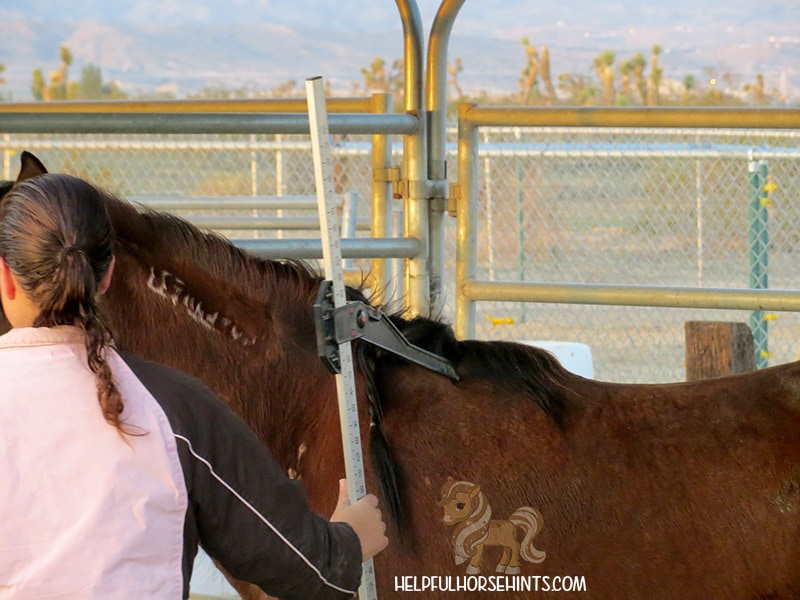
pixel 69 251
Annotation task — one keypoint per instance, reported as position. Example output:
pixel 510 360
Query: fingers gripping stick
pixel 332 261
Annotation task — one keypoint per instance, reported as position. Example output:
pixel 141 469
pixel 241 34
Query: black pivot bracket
pixel 357 320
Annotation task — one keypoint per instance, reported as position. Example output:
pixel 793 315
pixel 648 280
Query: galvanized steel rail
pixel 469 289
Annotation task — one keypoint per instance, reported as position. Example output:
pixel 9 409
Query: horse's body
pixel 688 490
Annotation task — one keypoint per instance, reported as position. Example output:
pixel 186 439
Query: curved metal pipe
pixel 436 92
pixel 413 50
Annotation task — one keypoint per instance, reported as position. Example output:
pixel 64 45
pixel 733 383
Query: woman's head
pixel 57 239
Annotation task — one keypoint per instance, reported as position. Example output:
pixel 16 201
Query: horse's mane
pixel 5 187
pixel 510 367
pixel 157 234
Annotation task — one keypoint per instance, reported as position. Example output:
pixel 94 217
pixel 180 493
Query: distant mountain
pixel 173 44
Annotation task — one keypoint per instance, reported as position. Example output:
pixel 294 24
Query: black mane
pixel 5 187
pixel 511 367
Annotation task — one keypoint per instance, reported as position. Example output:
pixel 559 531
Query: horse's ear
pixel 475 491
pixel 31 166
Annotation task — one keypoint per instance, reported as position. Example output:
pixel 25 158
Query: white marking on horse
pixel 173 289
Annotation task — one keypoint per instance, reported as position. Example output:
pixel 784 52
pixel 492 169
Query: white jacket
pixel 85 513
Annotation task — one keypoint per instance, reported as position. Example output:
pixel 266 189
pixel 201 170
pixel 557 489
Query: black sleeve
pixel 248 514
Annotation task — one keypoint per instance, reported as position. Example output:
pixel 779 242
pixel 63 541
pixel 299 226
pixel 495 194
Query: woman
pixel 115 468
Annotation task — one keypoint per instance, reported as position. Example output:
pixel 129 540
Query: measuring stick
pixel 332 261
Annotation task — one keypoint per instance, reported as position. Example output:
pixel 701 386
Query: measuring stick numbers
pixel 332 261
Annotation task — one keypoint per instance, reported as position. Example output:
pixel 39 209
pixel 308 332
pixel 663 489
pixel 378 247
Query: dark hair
pixel 57 239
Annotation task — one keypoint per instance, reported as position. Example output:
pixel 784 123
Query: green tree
pixel 453 70
pixel 3 82
pixel 574 86
pixel 91 86
pixel 59 79
pixel 289 88
pixel 654 81
pixel 378 78
pixel 38 85
pixel 58 87
pixel 689 84
pixel 220 91
pixel 638 64
pixel 625 83
pixel 602 66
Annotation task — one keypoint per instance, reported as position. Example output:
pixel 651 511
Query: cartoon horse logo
pixel 466 508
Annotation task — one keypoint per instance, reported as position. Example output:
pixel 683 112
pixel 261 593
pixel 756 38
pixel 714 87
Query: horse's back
pixel 659 491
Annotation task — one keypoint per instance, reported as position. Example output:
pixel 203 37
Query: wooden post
pixel 717 348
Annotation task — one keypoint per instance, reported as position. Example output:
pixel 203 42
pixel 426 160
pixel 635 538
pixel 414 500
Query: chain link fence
pixel 639 207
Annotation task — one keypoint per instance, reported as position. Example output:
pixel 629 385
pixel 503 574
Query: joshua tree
pixel 654 81
pixel 638 64
pixel 3 82
pixel 575 86
pixel 453 70
pixel 377 78
pixel 527 80
pixel 625 88
pixel 688 85
pixel 375 75
pixel 57 89
pixel 602 65
pixel 544 62
pixel 757 89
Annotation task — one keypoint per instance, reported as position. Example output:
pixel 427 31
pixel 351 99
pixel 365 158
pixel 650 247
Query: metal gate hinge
pixel 386 175
pixel 452 201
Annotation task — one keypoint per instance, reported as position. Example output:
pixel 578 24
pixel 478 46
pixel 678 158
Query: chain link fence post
pixel 758 236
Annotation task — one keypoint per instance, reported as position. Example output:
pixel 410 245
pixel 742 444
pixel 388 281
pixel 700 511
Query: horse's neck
pixel 226 289
pixel 243 326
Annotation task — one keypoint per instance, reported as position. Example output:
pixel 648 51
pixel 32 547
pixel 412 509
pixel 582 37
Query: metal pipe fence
pixel 620 235
pixel 621 213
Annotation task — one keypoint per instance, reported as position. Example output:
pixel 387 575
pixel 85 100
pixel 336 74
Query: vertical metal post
pixel 487 191
pixel 415 164
pixel 467 224
pixel 6 158
pixel 520 224
pixel 381 199
pixel 349 219
pixel 436 111
pixel 396 271
pixel 279 185
pixel 253 166
pixel 758 236
pixel 254 177
pixel 698 185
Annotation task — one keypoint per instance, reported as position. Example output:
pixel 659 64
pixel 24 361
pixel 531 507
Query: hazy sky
pixel 161 40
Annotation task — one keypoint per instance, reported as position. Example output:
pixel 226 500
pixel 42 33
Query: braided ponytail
pixel 56 237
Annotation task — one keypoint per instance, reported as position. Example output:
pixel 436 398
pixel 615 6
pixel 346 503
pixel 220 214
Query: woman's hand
pixel 365 518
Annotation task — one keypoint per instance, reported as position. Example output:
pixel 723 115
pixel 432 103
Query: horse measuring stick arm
pixel 332 261
pixel 357 320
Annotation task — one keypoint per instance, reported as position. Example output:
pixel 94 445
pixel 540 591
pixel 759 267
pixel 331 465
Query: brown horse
pixel 687 490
